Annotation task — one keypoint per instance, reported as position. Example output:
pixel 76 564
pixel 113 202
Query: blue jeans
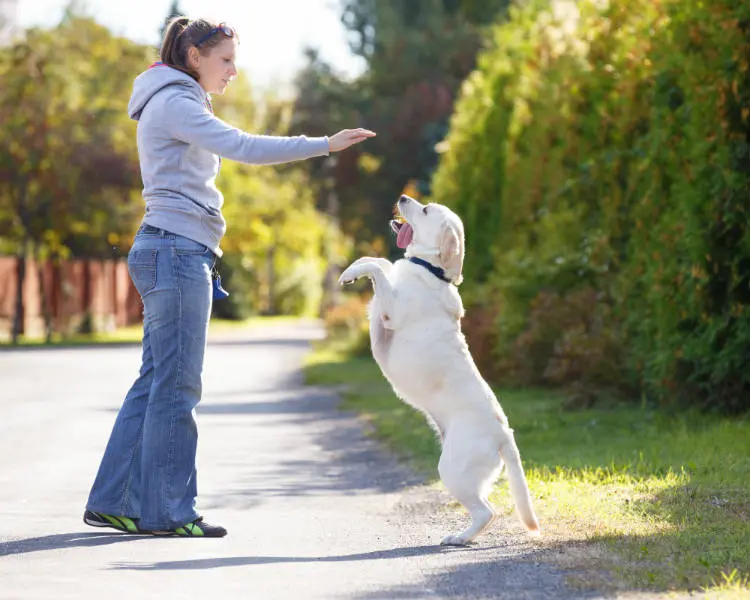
pixel 148 469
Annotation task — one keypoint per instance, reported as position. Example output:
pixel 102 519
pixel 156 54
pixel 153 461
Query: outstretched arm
pixel 190 122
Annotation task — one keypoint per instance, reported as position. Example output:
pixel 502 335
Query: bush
pixel 570 342
pixel 604 152
pixel 481 334
pixel 243 300
pixel 347 322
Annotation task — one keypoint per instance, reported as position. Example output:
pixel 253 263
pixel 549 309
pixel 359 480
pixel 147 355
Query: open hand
pixel 348 137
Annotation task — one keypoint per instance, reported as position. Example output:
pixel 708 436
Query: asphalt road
pixel 314 509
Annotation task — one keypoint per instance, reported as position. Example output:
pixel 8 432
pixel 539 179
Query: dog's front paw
pixel 346 278
pixel 351 274
pixel 454 540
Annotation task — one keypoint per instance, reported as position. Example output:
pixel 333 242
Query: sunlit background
pixel 598 152
pixel 272 43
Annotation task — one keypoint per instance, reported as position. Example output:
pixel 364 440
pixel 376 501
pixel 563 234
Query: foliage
pixel 68 168
pixel 347 323
pixel 174 11
pixel 604 147
pixel 416 54
pixel 282 244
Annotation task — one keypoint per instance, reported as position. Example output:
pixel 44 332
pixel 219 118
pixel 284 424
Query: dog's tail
pixel 519 488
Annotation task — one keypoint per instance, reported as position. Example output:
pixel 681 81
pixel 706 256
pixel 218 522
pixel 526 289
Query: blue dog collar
pixel 436 271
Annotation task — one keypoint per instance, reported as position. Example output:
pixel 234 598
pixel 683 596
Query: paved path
pixel 314 509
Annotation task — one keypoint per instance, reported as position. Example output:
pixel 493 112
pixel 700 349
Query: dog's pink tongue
pixel 405 234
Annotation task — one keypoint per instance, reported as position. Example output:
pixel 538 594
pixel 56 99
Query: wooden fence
pixel 100 290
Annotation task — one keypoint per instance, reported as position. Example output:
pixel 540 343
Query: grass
pixel 226 324
pixel 133 334
pixel 630 498
pixel 123 335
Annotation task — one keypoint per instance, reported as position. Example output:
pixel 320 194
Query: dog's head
pixel 431 230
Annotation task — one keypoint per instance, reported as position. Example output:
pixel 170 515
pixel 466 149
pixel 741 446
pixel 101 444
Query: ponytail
pixel 173 50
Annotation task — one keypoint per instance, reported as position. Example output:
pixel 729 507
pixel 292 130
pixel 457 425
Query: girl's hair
pixel 180 34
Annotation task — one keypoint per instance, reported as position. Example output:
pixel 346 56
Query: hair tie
pixel 184 27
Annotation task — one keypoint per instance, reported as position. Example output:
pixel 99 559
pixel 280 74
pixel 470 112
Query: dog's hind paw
pixel 454 540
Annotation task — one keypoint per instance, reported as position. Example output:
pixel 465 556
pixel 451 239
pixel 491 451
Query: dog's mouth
pixel 404 232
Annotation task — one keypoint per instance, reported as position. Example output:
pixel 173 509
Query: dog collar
pixel 436 271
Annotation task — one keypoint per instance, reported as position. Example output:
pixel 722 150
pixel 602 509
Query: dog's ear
pixel 452 252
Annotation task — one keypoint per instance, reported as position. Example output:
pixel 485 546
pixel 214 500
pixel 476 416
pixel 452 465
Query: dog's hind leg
pixel 467 480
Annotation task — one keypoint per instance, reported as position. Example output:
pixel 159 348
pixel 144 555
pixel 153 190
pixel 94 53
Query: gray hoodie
pixel 180 143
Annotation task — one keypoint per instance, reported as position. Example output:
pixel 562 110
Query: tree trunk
pixel 331 287
pixel 19 314
pixel 18 317
pixel 86 326
pixel 271 259
pixel 44 299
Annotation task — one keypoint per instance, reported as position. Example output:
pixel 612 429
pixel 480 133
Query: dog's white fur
pixel 416 339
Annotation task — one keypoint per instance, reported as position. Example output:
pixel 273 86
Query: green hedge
pixel 599 156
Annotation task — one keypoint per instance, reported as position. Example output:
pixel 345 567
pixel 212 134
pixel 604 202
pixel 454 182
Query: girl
pixel 146 482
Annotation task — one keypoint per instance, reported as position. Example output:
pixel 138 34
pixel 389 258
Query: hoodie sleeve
pixel 187 120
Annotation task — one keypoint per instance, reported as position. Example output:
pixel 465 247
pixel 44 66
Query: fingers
pixel 358 133
pixel 364 133
pixel 348 137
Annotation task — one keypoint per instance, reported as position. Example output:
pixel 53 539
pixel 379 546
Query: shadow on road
pixel 245 561
pixel 492 574
pixel 65 540
pixel 516 578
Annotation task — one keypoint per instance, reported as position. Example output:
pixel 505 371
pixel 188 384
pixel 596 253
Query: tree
pixel 174 11
pixel 278 244
pixel 68 168
pixel 417 54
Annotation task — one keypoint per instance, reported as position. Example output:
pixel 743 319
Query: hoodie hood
pixel 156 78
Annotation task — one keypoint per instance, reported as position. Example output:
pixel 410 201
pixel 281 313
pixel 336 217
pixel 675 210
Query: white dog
pixel 416 339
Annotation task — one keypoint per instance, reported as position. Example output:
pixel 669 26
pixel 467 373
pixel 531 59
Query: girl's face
pixel 216 69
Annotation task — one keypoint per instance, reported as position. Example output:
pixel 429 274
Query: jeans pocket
pixel 142 268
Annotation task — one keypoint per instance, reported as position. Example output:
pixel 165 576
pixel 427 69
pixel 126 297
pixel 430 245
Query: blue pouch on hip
pixel 219 292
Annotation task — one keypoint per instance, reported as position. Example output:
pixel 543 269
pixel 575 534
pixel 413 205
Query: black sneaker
pixel 96 519
pixel 198 528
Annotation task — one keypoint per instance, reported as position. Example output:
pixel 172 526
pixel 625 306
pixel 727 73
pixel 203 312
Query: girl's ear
pixel 193 58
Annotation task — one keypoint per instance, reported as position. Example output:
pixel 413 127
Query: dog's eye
pixel 424 210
